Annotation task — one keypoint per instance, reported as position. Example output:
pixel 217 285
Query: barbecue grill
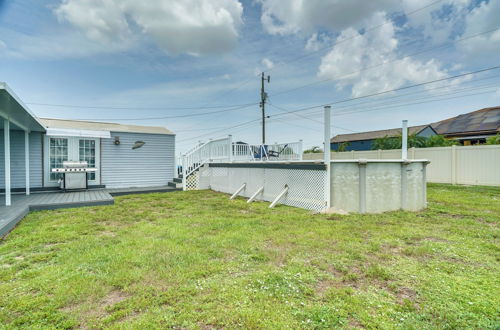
pixel 75 175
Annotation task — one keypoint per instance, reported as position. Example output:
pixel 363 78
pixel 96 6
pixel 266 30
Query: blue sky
pixel 114 60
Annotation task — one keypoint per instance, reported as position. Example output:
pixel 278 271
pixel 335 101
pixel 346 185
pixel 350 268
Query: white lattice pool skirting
pixel 306 182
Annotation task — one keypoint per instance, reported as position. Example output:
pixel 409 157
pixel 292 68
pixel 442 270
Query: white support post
pixel 301 149
pixel 404 145
pixel 184 171
pixel 453 164
pixel 6 143
pixel 404 185
pixel 230 146
pixel 362 185
pixel 326 153
pixel 27 160
pixel 210 144
pixel 233 196
pixel 255 195
pixel 280 196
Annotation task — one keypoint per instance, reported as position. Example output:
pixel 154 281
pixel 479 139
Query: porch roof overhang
pixel 15 111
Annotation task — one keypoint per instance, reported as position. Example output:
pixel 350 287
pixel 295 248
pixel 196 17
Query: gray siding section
pixel 427 132
pixel 17 167
pixel 151 165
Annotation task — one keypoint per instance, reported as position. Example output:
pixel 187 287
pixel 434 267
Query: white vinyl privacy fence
pixel 472 165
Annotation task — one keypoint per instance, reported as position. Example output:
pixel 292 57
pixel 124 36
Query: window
pixel 87 154
pixel 58 154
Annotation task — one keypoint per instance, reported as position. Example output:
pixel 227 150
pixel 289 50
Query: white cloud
pixel 267 64
pixel 292 16
pixel 437 23
pixel 316 42
pixel 176 26
pixel 365 51
pixel 481 19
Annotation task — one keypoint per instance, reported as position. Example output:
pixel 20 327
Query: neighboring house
pixel 364 140
pixel 105 146
pixel 471 128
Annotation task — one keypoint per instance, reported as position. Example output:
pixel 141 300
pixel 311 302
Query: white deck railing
pixel 268 152
pixel 224 150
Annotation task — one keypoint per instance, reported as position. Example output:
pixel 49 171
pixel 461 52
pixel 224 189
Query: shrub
pixel 414 141
pixel 493 139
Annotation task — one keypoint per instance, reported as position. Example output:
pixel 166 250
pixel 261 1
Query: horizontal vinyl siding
pixel 17 167
pixel 150 165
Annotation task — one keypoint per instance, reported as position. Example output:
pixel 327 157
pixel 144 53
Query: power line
pixel 363 97
pixel 222 130
pixel 346 113
pixel 415 103
pixel 168 117
pixel 371 102
pixel 448 44
pixel 138 108
pixel 397 89
pixel 384 102
pixel 385 107
pixel 200 129
pixel 311 119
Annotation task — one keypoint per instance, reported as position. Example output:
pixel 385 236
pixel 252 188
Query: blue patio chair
pixel 260 152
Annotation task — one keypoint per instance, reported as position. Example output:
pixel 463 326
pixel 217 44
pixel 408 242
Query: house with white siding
pixel 123 156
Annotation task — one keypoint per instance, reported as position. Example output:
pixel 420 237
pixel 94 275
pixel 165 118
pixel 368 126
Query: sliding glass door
pixel 60 149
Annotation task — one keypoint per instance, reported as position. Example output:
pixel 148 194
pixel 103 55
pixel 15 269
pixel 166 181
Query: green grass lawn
pixel 197 260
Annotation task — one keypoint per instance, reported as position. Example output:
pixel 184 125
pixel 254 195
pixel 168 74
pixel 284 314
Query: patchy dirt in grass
pixel 323 286
pixel 51 245
pixel 392 249
pixel 355 324
pixel 451 215
pixel 93 311
pixel 491 224
pixel 112 298
pixel 278 253
pixel 435 239
pixel 403 293
pixel 107 233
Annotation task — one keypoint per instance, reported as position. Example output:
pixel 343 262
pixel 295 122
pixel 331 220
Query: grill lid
pixel 72 164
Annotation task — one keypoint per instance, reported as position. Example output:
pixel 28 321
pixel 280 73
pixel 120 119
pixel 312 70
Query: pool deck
pixel 23 204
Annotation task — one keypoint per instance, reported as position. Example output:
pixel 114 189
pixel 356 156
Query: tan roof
pixel 100 126
pixel 375 134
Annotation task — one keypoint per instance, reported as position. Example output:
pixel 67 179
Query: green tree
pixel 386 143
pixel 439 141
pixel 414 141
pixel 493 139
pixel 343 146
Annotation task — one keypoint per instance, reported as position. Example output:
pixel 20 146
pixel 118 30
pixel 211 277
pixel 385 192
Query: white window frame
pixel 73 155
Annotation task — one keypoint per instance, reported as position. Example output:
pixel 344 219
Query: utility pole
pixel 263 98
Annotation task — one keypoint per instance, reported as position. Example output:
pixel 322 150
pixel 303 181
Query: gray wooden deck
pixel 22 204
pixel 140 190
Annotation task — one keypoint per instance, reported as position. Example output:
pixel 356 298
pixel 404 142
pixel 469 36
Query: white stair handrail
pixel 213 150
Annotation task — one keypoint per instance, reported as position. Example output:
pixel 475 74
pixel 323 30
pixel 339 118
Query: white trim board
pixel 78 132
